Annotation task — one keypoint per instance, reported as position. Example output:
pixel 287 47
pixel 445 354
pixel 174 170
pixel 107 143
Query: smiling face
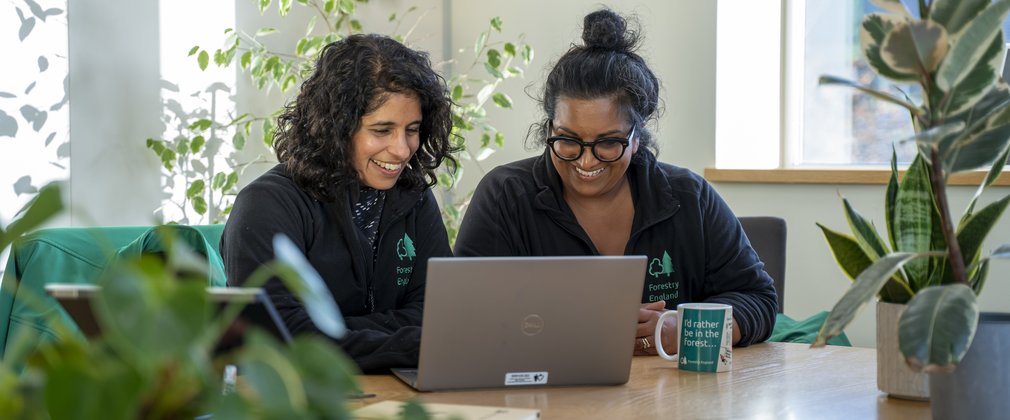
pixel 386 139
pixel 590 120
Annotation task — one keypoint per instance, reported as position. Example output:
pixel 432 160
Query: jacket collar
pixel 650 188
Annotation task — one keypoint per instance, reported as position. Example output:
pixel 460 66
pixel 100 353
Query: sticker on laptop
pixel 525 378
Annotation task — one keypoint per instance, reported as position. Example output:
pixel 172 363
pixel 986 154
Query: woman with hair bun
pixel 358 149
pixel 598 189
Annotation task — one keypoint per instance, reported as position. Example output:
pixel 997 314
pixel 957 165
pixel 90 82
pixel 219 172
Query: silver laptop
pixel 528 321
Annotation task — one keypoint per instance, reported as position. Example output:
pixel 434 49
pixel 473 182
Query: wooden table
pixel 769 380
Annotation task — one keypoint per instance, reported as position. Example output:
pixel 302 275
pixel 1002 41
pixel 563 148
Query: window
pixel 34 111
pixel 776 52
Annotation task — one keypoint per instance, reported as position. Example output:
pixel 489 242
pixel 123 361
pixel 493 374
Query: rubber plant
pixel 953 50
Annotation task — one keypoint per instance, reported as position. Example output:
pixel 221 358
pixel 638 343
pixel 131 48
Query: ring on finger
pixel 645 343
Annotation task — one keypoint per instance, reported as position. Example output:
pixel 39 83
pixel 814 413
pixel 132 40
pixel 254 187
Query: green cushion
pixel 76 255
pixel 788 330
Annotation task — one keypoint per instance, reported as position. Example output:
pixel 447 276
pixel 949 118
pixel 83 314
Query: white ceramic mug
pixel 706 337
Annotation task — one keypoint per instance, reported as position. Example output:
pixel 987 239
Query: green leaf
pixel 864 288
pixel 515 71
pixel 849 255
pixel 496 23
pixel 392 17
pixel 347 7
pixel 975 229
pixel 493 57
pixel 457 93
pixel 329 6
pixel 156 145
pixel 238 140
pixel 201 125
pixel 289 81
pixel 284 7
pixel 499 139
pixel 196 189
pixel 510 49
pixel 914 47
pixel 265 31
pixel 218 182
pixel 493 71
pixel 874 27
pixel 46 204
pixel 193 50
pixel 978 280
pixel 527 54
pixel 913 216
pixel 268 132
pixel 994 172
pixel 264 4
pixel 199 205
pixel 230 182
pixel 272 378
pixel 971 44
pixel 327 372
pixel 444 180
pixel 479 44
pixel 305 282
pixel 197 143
pixel 864 232
pixel 977 151
pixel 954 14
pixel 502 100
pixel 831 80
pixel 978 81
pixel 890 197
pixel 356 25
pixel 937 327
pixel 203 59
pixel 245 59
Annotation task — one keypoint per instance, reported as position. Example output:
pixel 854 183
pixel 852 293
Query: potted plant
pixel 160 355
pixel 935 265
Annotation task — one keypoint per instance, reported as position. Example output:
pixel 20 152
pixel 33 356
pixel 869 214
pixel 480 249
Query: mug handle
pixel 659 339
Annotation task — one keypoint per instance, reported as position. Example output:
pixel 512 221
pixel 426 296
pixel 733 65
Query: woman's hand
pixel 648 314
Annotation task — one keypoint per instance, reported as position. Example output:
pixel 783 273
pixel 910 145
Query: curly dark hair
pixel 605 66
pixel 352 77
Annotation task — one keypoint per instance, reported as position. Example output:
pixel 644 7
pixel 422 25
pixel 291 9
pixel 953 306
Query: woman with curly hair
pixel 598 189
pixel 358 149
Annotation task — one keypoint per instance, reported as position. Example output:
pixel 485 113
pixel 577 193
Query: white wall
pixel 113 174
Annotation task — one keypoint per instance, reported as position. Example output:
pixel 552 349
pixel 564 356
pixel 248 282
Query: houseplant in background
pixel 931 262
pixel 473 87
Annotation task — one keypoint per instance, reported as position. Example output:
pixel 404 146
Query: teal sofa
pixel 77 255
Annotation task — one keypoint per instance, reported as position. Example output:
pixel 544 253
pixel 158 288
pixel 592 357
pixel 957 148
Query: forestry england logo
pixel 405 248
pixel 659 267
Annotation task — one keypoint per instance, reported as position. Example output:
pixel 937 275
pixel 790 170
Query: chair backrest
pixel 73 255
pixel 768 237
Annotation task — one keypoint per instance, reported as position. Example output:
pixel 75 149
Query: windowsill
pixel 831 176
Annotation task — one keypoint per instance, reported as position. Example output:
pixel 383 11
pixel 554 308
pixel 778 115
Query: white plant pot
pixel 894 377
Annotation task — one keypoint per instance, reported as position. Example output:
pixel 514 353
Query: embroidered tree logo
pixel 405 248
pixel 660 267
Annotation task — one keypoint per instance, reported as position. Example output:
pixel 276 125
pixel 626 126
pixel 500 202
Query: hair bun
pixel 607 30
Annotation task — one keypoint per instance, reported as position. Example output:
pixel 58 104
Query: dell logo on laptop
pixel 532 325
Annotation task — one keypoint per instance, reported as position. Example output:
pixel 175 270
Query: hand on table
pixel 648 314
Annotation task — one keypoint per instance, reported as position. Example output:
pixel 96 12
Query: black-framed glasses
pixel 607 149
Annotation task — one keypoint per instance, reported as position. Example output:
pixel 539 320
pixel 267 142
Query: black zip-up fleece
pixel 696 247
pixel 410 231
